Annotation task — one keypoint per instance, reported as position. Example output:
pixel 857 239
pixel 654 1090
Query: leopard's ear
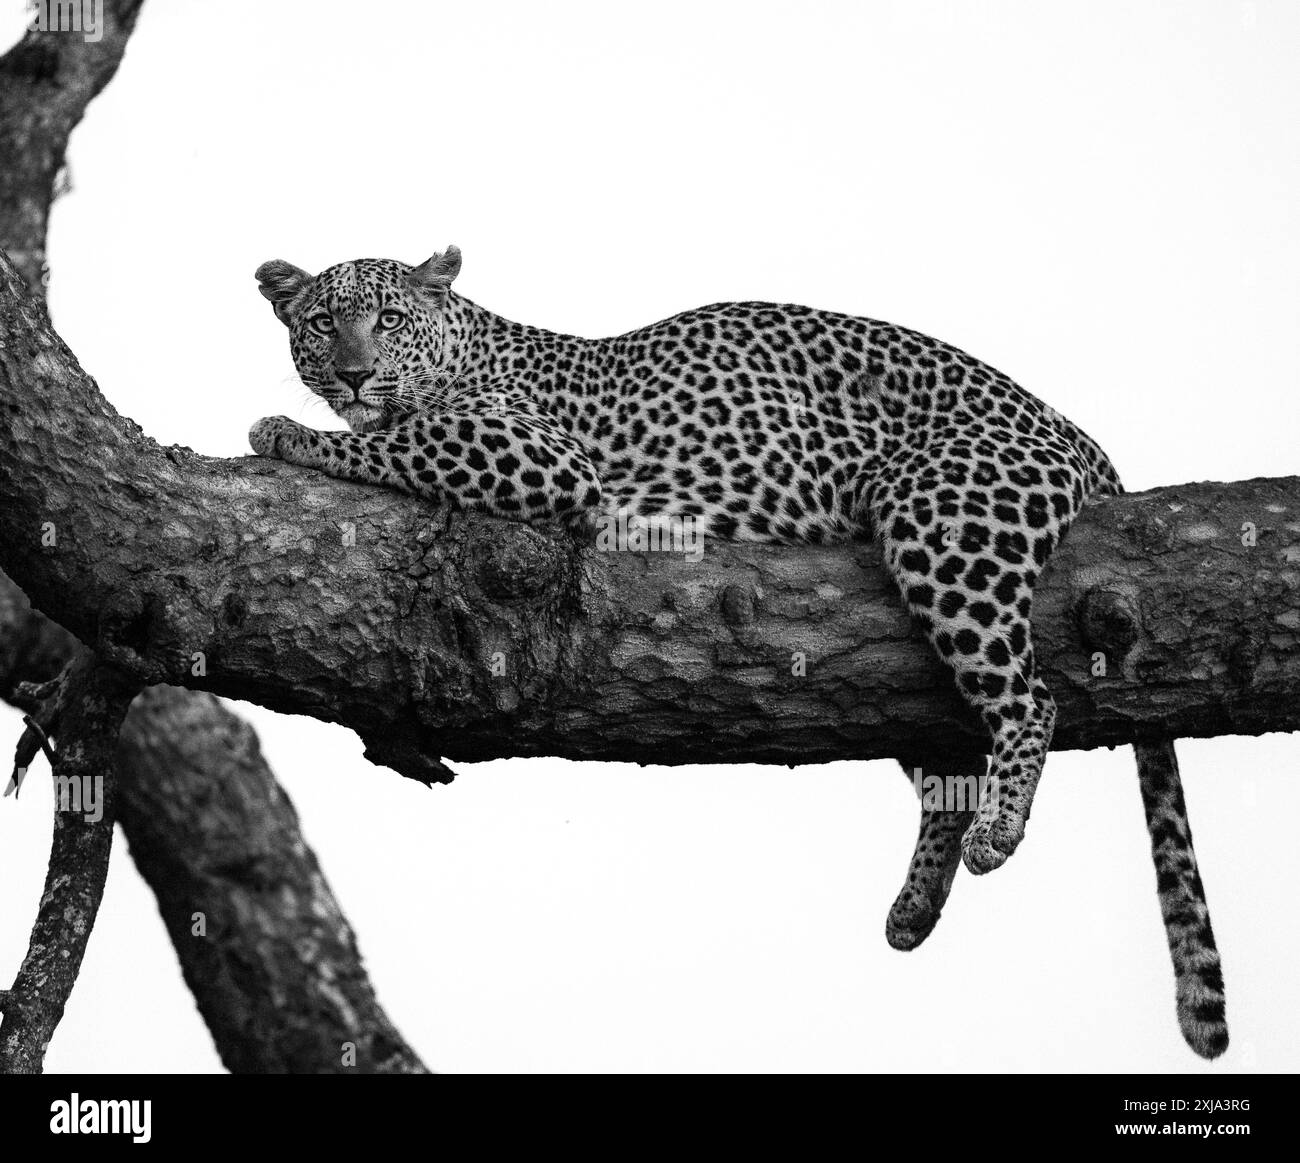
pixel 433 277
pixel 282 283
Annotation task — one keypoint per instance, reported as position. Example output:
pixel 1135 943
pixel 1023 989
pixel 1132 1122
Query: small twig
pixel 32 739
pixel 44 739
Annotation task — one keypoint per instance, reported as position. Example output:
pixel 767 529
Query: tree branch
pixel 431 633
pixel 277 972
pixel 218 842
pixel 47 80
pixel 84 713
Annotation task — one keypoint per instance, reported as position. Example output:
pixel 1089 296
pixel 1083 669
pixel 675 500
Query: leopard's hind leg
pixel 937 855
pixel 965 537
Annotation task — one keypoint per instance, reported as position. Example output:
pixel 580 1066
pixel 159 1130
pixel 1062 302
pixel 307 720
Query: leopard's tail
pixel 1198 976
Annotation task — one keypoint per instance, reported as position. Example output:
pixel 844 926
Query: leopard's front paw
pixel 267 434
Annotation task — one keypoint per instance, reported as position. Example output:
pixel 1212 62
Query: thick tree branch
pixel 276 970
pixel 84 713
pixel 439 634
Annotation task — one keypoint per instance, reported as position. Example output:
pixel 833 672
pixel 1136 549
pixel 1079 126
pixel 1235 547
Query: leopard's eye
pixel 322 324
pixel 390 320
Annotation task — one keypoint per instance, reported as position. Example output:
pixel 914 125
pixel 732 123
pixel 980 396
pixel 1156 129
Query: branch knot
pixel 1110 621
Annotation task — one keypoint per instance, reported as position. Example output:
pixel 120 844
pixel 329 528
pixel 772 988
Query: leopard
pixel 761 422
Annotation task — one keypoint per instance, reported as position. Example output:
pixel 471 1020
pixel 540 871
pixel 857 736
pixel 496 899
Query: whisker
pixel 423 392
pixel 443 387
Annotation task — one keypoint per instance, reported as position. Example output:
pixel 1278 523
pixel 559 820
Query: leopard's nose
pixel 354 377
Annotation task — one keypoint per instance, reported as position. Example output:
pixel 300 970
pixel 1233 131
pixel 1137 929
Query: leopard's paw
pixel 911 920
pixel 265 435
pixel 987 843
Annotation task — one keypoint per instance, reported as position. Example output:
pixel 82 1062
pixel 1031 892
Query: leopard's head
pixel 366 336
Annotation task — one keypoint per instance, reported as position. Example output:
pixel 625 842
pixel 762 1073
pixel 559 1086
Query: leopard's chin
pixel 364 417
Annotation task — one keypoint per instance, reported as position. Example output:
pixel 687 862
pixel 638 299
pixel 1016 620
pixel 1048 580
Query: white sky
pixel 1102 201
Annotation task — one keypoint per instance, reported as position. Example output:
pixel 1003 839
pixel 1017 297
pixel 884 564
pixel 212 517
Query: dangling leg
pixel 965 543
pixel 1021 726
pixel 934 862
pixel 994 672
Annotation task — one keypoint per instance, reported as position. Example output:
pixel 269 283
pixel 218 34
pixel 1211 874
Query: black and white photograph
pixel 696 538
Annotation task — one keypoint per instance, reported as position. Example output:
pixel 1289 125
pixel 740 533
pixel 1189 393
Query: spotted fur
pixel 1198 974
pixel 763 422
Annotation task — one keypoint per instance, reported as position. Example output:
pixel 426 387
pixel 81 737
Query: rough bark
pixel 209 827
pixel 438 634
pixel 277 973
